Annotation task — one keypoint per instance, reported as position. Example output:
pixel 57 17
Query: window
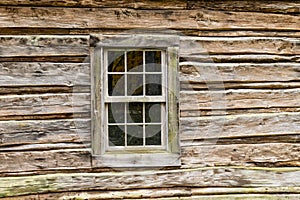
pixel 134 105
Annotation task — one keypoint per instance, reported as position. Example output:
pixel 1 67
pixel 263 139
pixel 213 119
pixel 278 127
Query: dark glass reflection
pixel 152 112
pixel 134 135
pixel 116 112
pixel 116 61
pixel 135 61
pixel 135 112
pixel 116 85
pixel 153 135
pixel 153 61
pixel 134 84
pixel 153 84
pixel 116 135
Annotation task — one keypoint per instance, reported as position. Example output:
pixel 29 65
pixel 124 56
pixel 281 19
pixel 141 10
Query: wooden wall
pixel 252 152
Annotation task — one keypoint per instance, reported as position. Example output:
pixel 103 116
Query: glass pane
pixel 134 84
pixel 116 135
pixel 116 84
pixel 153 135
pixel 153 61
pixel 153 84
pixel 135 61
pixel 116 61
pixel 135 112
pixel 153 112
pixel 116 113
pixel 134 135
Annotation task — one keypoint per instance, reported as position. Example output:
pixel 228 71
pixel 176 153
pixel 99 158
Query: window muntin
pixel 135 99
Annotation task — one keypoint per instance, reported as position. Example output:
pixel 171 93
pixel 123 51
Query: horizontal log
pixel 239 99
pixel 42 104
pixel 247 6
pixel 199 177
pixel 129 19
pixel 242 58
pixel 44 160
pixel 174 193
pixel 244 125
pixel 197 72
pixel 44 131
pixel 21 89
pixel 18 46
pixel 137 4
pixel 43 74
pixel 240 45
pixel 189 85
pixel 268 155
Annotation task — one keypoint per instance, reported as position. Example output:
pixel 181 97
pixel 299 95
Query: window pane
pixel 153 61
pixel 153 112
pixel 135 112
pixel 116 135
pixel 116 113
pixel 135 61
pixel 134 84
pixel 134 135
pixel 153 84
pixel 116 84
pixel 153 135
pixel 116 61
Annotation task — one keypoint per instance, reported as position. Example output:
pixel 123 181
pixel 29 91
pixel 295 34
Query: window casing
pixel 134 103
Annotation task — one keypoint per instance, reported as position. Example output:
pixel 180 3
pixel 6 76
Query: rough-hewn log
pixel 247 6
pixel 128 19
pixel 44 131
pixel 37 74
pixel 136 4
pixel 21 89
pixel 239 99
pixel 199 177
pixel 266 193
pixel 240 45
pixel 273 154
pixel 44 160
pixel 239 125
pixel 18 46
pixel 239 72
pixel 41 104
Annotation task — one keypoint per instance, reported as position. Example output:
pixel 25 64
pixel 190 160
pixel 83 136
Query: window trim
pixel 136 158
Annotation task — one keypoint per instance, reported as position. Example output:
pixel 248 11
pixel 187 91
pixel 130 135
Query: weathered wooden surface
pixel 239 125
pixel 44 131
pixel 198 177
pixel 128 19
pixel 43 74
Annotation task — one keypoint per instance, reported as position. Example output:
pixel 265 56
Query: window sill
pixel 127 160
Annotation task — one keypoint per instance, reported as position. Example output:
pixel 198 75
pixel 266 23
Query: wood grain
pixel 22 17
pixel 44 131
pixel 239 125
pixel 35 45
pixel 198 177
pixel 41 104
pixel 44 74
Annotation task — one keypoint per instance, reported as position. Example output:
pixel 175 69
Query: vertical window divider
pixel 125 121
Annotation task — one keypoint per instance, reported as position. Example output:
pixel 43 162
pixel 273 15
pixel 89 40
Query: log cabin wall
pixel 255 45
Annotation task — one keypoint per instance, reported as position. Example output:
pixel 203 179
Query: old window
pixel 134 112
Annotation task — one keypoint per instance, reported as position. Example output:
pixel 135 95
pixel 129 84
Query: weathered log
pixel 128 19
pixel 44 74
pixel 247 6
pixel 45 160
pixel 239 99
pixel 195 72
pixel 239 125
pixel 18 46
pixel 44 131
pixel 198 177
pixel 41 104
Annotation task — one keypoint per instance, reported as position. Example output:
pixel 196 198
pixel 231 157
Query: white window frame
pixel 168 154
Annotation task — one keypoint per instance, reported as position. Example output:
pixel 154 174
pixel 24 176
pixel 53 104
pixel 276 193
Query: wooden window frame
pixel 149 157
